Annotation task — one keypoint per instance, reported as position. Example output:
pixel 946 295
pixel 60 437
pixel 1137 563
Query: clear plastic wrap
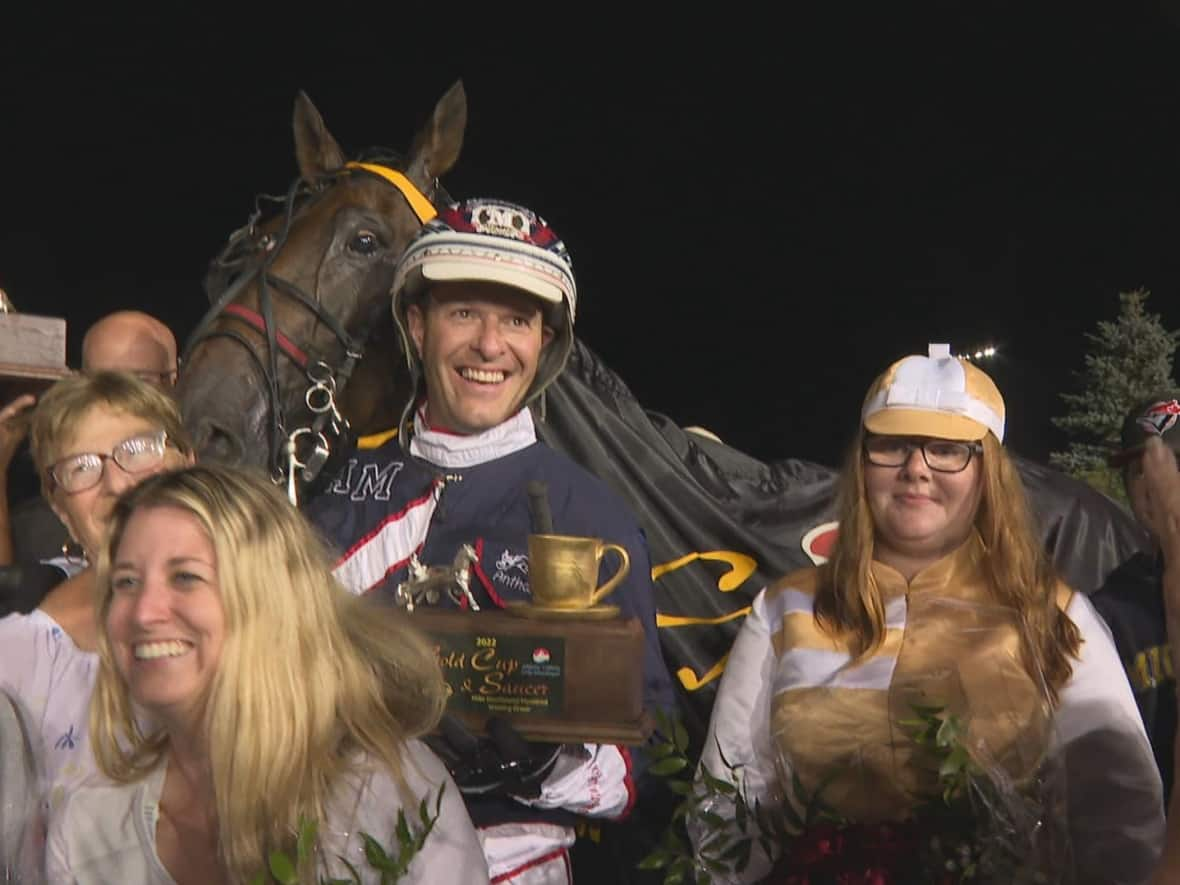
pixel 929 761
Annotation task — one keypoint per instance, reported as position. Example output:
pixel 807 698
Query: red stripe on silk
pixel 536 862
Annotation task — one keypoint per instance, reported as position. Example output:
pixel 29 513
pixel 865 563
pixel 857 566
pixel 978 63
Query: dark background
pixel 764 208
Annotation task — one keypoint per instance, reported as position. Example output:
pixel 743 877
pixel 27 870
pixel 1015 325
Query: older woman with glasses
pixel 92 437
pixel 938 614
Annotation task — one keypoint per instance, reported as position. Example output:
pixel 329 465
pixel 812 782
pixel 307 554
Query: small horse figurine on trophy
pixel 427 583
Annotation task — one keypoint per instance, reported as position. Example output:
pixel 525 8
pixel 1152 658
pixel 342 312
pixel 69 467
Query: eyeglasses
pixel 941 455
pixel 135 454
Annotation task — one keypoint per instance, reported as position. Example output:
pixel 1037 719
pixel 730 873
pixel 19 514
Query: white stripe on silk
pixel 779 605
pixel 819 668
pixel 895 610
pixel 366 564
pixel 782 604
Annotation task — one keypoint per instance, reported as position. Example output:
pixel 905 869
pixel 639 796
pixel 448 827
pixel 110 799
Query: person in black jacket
pixel 1132 600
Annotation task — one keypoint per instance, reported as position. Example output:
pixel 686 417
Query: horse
pixel 272 369
pixel 720 524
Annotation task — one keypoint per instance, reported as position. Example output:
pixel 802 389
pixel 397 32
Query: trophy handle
pixel 624 568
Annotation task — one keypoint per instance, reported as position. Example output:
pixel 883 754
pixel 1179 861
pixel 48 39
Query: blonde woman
pixel 937 593
pixel 92 437
pixel 240 694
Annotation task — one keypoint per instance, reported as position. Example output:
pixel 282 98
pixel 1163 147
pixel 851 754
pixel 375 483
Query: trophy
pixel 32 351
pixel 563 578
pixel 563 667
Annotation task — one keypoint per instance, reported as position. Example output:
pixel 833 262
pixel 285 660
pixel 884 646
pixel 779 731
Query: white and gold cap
pixel 938 396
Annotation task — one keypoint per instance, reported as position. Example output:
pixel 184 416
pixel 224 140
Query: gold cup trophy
pixel 565 667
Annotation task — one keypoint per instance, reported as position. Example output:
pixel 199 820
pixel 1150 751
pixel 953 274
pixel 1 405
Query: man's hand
pixel 13 427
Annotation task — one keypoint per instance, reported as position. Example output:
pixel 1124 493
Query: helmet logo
pixel 501 221
pixel 1160 417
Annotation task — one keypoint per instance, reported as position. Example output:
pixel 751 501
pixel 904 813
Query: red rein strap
pixel 286 345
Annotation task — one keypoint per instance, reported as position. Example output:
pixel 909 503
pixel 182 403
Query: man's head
pixel 1157 416
pixel 131 341
pixel 485 300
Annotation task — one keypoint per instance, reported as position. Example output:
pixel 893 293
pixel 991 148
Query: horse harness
pixel 298 456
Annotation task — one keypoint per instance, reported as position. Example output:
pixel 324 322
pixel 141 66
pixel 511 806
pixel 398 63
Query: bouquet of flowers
pixel 977 826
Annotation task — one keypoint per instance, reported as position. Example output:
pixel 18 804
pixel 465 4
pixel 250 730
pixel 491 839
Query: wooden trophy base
pixel 32 354
pixel 561 681
pixel 16 380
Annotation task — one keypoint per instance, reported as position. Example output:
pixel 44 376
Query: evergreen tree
pixel 1130 358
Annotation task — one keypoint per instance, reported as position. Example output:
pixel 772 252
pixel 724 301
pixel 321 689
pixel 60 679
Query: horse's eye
pixel 364 242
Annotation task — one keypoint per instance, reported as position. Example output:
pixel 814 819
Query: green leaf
pixel 259 878
pixel 715 866
pixel 356 877
pixel 680 736
pixel 376 855
pixel 305 843
pixel 657 860
pixel 735 850
pixel 955 762
pixel 716 784
pixel 671 765
pixel 713 843
pixel 683 864
pixel 404 839
pixel 740 815
pixel 679 787
pixel 712 818
pixel 950 732
pixel 659 751
pixel 282 868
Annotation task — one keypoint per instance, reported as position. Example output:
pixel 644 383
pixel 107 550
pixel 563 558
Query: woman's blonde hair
pixel 68 401
pixel 308 674
pixel 1017 567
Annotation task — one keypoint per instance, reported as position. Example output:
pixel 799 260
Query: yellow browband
pixel 422 207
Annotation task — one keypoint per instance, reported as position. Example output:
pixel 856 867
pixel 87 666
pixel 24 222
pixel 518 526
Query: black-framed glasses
pixel 83 471
pixel 942 455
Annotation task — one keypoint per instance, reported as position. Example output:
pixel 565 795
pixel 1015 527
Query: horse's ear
pixel 316 151
pixel 436 146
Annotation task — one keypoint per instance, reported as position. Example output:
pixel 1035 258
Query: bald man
pixel 131 341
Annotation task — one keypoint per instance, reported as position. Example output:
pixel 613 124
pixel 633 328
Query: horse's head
pixel 296 295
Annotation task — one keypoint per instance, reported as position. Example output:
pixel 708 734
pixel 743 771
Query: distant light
pixel 983 353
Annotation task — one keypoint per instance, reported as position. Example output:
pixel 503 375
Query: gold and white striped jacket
pixel 791 701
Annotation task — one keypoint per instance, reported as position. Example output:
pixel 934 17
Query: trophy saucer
pixel 601 612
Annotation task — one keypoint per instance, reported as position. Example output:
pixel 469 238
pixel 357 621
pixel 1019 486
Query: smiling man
pixel 485 301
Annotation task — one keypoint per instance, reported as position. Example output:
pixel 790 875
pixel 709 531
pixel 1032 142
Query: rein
pixel 290 457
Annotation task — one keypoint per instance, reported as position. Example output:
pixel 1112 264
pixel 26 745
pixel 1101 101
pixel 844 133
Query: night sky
pixel 762 214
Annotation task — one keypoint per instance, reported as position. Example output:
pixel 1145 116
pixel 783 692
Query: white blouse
pixel 107 833
pixel 51 679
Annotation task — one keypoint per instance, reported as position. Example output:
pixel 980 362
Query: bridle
pixel 297 456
